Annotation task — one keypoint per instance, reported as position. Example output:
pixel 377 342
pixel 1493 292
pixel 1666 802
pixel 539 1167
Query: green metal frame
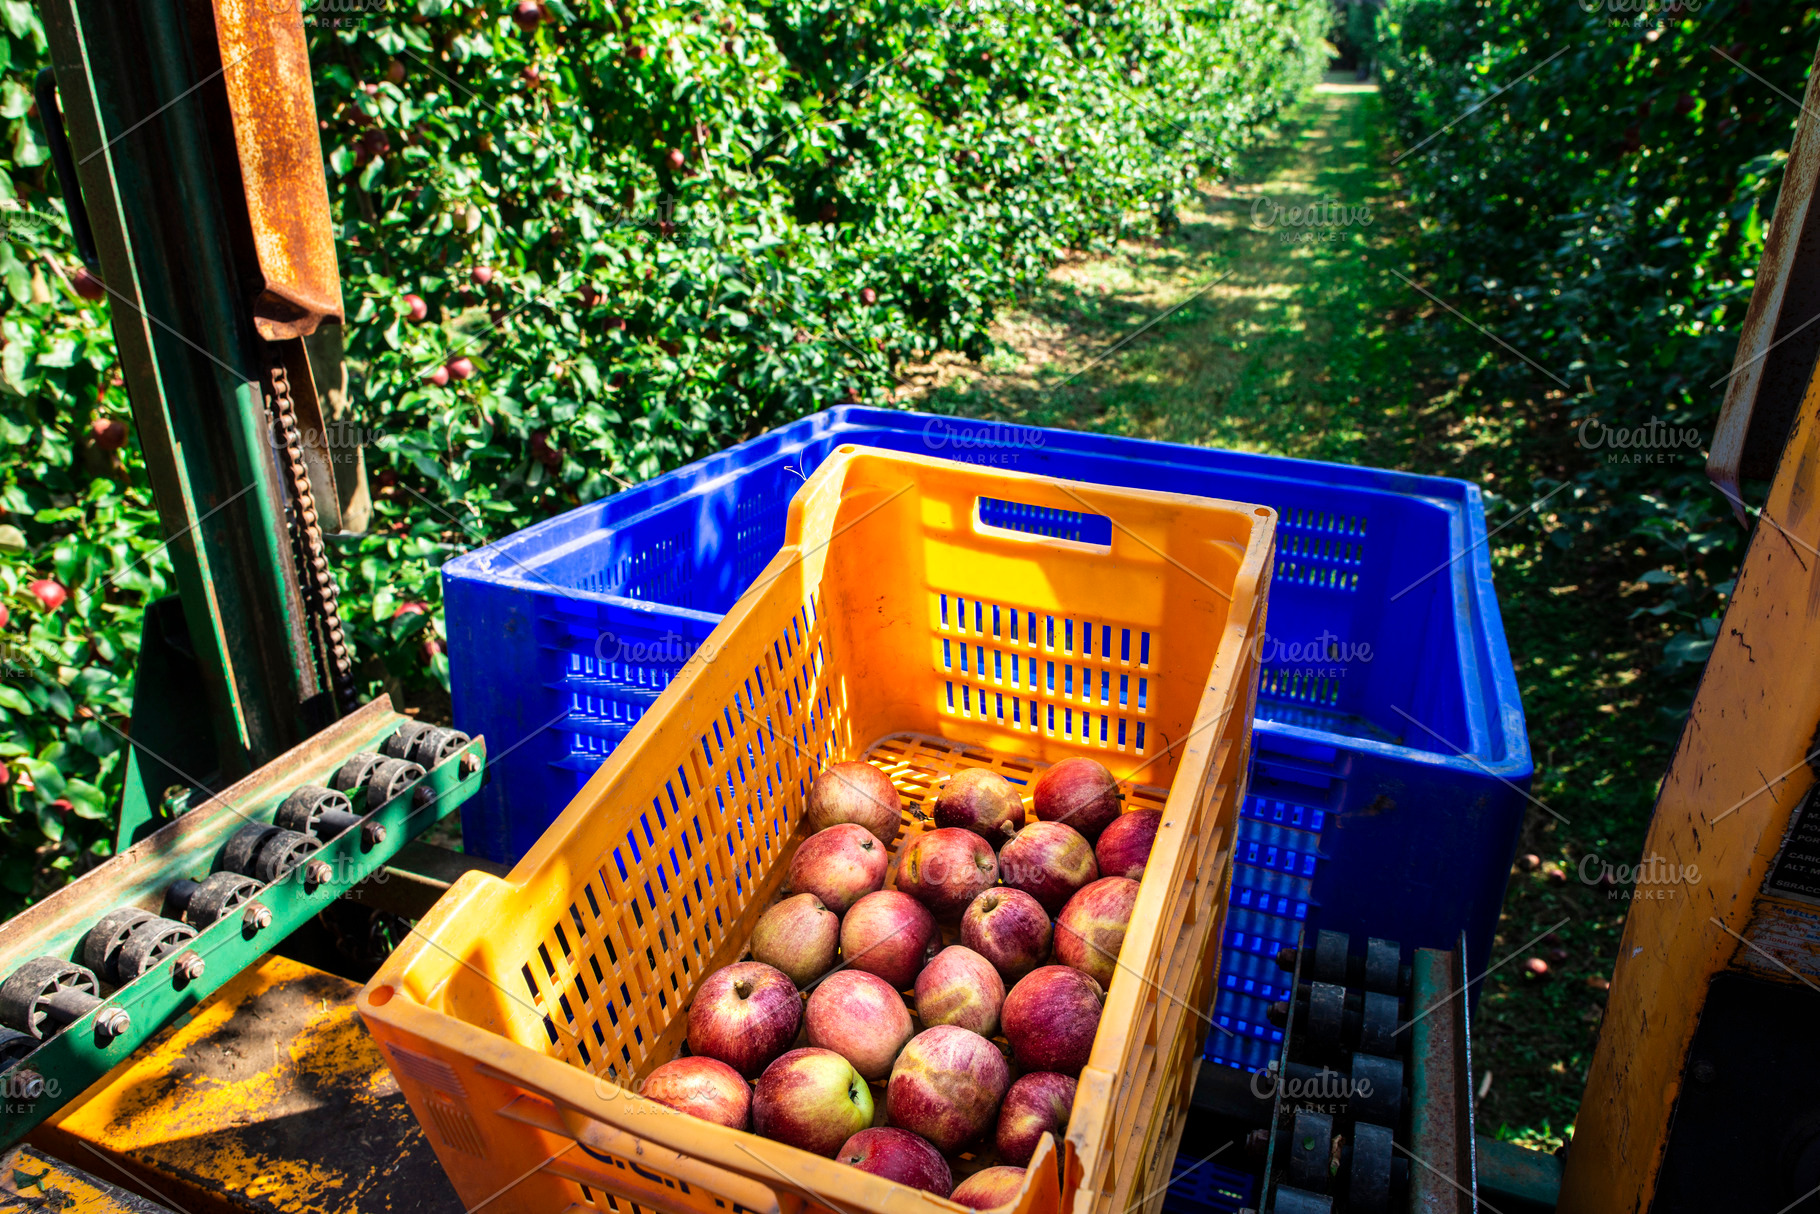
pixel 188 848
pixel 148 123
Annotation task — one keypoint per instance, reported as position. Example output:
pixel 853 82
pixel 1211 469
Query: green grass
pixel 1226 335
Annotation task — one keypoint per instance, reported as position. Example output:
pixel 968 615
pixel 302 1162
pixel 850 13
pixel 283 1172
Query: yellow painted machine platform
pixel 32 1180
pixel 268 1098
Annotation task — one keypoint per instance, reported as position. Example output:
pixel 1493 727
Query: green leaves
pixel 683 211
pixel 1603 212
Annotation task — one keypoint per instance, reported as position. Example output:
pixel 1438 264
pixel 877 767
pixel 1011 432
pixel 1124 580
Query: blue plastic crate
pixel 1208 1187
pixel 1390 761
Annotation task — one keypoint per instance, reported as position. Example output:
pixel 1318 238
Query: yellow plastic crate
pixel 924 614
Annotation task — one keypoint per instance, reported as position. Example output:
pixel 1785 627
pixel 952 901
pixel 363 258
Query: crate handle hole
pixel 380 996
pixel 997 516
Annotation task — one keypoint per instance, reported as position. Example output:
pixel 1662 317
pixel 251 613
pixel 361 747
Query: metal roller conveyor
pixel 45 995
pixel 203 903
pixel 175 915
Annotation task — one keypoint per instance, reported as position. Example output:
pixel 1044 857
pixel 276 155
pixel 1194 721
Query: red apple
pixel 946 1086
pixel 946 869
pixel 961 988
pixel 888 934
pixel 1124 847
pixel 439 376
pixel 989 1187
pixel 677 158
pixel 589 295
pixel 5 617
pixel 745 1015
pixel 868 296
pixel 701 1087
pixel 982 801
pixel 637 52
pixel 901 1156
pixel 859 1017
pixel 1010 929
pixel 541 450
pixel 811 1099
pixel 855 792
pixel 50 595
pixel 417 309
pixel 394 71
pixel 798 936
pixel 86 284
pixel 527 14
pixel 481 274
pixel 1050 1018
pixel 108 433
pixel 1091 928
pixel 1049 861
pixel 461 368
pixel 1080 792
pixel 1037 1103
pixel 839 865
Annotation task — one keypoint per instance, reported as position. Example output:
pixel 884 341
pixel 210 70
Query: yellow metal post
pixel 1738 773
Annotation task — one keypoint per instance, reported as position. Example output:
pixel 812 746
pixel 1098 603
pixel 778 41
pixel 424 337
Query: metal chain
pixel 319 590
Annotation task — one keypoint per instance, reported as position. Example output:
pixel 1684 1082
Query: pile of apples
pixel 855 947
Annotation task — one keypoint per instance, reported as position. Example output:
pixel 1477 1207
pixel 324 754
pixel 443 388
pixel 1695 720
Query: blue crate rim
pixel 1460 500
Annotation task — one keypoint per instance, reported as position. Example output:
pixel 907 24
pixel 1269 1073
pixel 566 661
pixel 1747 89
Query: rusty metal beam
pixel 266 64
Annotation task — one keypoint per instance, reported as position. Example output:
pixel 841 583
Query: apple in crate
pixel 1080 792
pixel 946 1086
pixel 901 1156
pixel 701 1087
pixel 855 792
pixel 1090 931
pixel 1124 847
pixel 982 801
pixel 889 934
pixel 946 869
pixel 839 865
pixel 1010 929
pixel 961 988
pixel 989 1187
pixel 812 1099
pixel 1050 1018
pixel 861 1018
pixel 799 936
pixel 745 1015
pixel 1049 861
pixel 1038 1103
